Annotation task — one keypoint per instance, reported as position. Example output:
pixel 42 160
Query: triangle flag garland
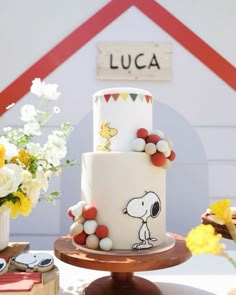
pixel 107 97
pixel 141 97
pixel 124 96
pixel 115 96
pixel 148 98
pixel 133 96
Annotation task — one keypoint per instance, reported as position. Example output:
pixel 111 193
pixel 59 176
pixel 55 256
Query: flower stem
pixel 230 259
pixel 233 262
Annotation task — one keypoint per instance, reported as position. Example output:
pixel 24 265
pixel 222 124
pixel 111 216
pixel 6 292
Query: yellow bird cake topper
pixel 106 132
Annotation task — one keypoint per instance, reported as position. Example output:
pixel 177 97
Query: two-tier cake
pixel 123 181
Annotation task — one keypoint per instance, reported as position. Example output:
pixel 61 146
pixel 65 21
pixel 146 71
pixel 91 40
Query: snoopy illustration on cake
pixel 149 205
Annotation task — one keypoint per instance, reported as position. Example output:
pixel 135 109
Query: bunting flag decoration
pixel 124 96
pixel 141 97
pixel 115 96
pixel 133 96
pixel 96 98
pixel 107 97
pixel 148 98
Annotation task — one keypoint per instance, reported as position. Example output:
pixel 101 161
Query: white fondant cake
pixel 122 110
pixel 123 181
pixel 125 187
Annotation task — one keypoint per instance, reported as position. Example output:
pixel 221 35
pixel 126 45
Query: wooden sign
pixel 134 61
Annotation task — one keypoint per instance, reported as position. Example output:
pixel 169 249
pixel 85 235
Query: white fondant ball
pixel 167 153
pixel 150 148
pixel 167 164
pixel 76 228
pixel 106 244
pixel 80 219
pixel 90 226
pixel 138 144
pixel 77 209
pixel 162 146
pixel 158 132
pixel 92 242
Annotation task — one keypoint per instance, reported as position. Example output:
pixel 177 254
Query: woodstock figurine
pixel 106 132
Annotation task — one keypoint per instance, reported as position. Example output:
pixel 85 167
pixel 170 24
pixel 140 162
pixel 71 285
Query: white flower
pixel 55 148
pixel 11 149
pixel 54 154
pixel 27 165
pixel 28 113
pixel 37 87
pixel 26 176
pixel 34 148
pixel 32 188
pixel 32 128
pixel 43 177
pixel 47 91
pixel 50 92
pixel 10 178
pixel 7 129
pixel 56 110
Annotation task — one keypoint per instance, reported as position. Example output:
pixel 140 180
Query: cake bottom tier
pixel 130 196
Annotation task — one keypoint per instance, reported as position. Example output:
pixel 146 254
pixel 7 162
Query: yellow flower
pixel 23 158
pixel 203 239
pixel 2 155
pixel 222 210
pixel 22 206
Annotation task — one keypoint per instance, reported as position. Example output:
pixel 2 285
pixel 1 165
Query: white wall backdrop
pixel 196 108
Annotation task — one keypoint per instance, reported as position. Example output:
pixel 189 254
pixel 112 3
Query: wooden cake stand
pixel 121 264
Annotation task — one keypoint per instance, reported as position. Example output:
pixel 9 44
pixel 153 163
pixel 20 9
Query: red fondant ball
pixel 153 138
pixel 158 159
pixel 69 213
pixel 102 231
pixel 172 156
pixel 80 239
pixel 89 212
pixel 142 133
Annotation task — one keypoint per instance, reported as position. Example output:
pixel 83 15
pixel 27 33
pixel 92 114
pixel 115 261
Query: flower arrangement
pixel 203 239
pixel 26 166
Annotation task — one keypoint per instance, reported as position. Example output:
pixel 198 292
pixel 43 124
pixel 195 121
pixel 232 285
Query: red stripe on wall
pixel 61 52
pixel 189 40
pixel 67 47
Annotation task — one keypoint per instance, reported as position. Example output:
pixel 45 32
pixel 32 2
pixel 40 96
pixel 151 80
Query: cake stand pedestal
pixel 122 265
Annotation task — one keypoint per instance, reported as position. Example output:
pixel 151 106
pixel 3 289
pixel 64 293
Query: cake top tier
pixel 117 114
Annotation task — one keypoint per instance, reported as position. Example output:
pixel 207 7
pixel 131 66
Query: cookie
pixel 4 265
pixel 210 218
pixel 30 262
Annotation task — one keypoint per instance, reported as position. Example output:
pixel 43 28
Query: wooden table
pixel 121 264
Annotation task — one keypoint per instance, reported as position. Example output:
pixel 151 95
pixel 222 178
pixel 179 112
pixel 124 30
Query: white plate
pixel 168 244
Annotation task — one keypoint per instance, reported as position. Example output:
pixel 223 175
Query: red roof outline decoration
pixel 96 23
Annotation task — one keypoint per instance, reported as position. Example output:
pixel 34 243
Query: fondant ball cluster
pixel 155 145
pixel 85 230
